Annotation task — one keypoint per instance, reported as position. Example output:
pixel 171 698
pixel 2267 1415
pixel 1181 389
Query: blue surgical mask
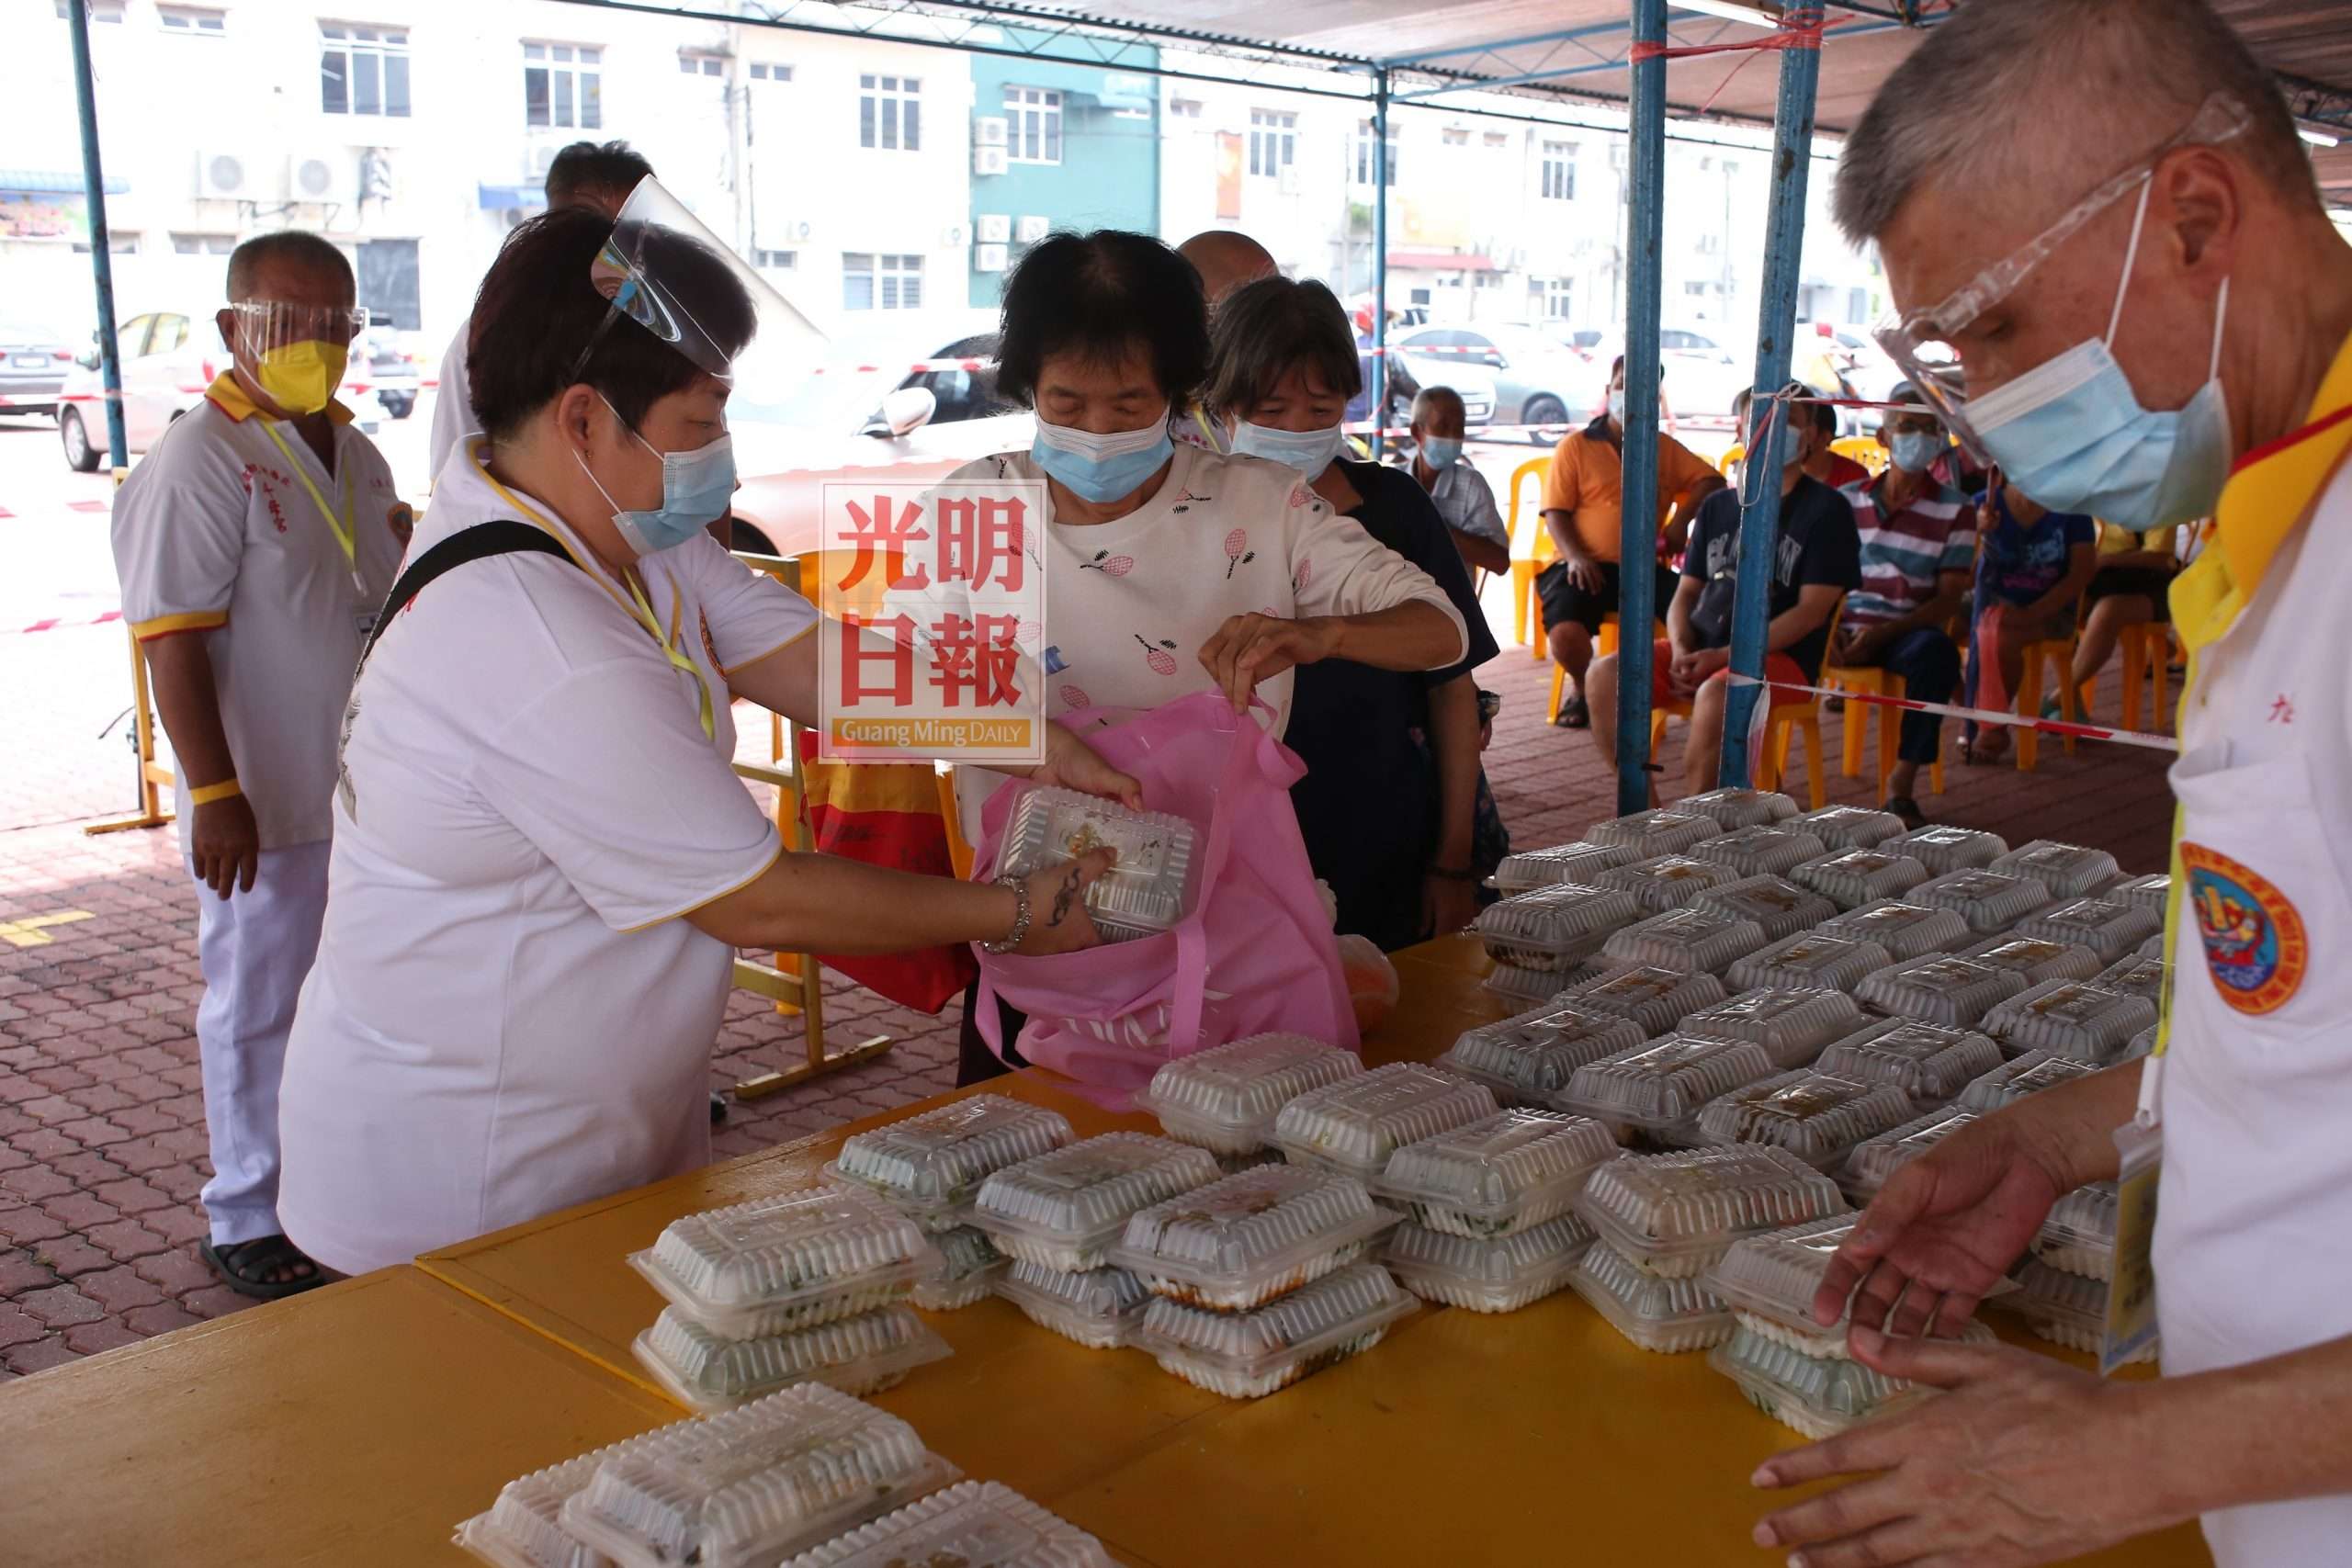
pixel 2071 433
pixel 1617 405
pixel 1308 451
pixel 1441 451
pixel 697 487
pixel 1915 450
pixel 1101 468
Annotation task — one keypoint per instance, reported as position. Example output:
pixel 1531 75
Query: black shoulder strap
pixel 504 536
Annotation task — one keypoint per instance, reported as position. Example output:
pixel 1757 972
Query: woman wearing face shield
pixel 543 862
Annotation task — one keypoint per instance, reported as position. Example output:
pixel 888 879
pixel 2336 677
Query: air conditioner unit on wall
pixel 987 258
pixel 230 176
pixel 537 160
pixel 988 131
pixel 989 161
pixel 326 180
pixel 993 228
pixel 954 237
pixel 1033 229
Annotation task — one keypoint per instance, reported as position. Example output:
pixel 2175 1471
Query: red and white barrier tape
pixel 54 623
pixel 1981 715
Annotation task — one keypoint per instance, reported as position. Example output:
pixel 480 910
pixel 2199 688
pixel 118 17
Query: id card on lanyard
pixel 343 527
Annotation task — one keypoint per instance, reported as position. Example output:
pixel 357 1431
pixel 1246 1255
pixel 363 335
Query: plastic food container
pixel 1508 1172
pixel 1100 1308
pixel 1769 1282
pixel 969 1266
pixel 1778 904
pixel 1669 1316
pixel 1225 1099
pixel 1904 929
pixel 1526 988
pixel 1148 887
pixel 932 1165
pixel 1562 863
pixel 1761 851
pixel 1939 988
pixel 1988 900
pixel 1667 882
pixel 1943 849
pixel 2029 1074
pixel 2069 870
pixel 1849 827
pixel 1250 1355
pixel 2154 947
pixel 1528 1059
pixel 1926 1061
pixel 2036 958
pixel 522 1527
pixel 1659 1087
pixel 1810 961
pixel 1064 1208
pixel 2070 1018
pixel 754 1485
pixel 865 1354
pixel 974 1524
pixel 2141 1045
pixel 2151 892
pixel 2109 928
pixel 2134 976
pixel 2065 1309
pixel 1554 928
pixel 798 1258
pixel 1818 1117
pixel 1853 877
pixel 1354 1125
pixel 1819 1396
pixel 1791 1024
pixel 1733 808
pixel 1694 941
pixel 2079 1235
pixel 1651 997
pixel 1239 1243
pixel 1497 1274
pixel 1875 1160
pixel 1673 1214
pixel 1646 834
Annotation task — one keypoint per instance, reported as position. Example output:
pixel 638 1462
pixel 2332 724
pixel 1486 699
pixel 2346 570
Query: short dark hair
pixel 612 168
pixel 299 246
pixel 1267 329
pixel 538 313
pixel 1104 296
pixel 1823 417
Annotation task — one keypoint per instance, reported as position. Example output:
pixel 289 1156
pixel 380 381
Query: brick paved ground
pixel 102 1141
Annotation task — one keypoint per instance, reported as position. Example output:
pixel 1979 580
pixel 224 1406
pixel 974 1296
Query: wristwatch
pixel 1020 931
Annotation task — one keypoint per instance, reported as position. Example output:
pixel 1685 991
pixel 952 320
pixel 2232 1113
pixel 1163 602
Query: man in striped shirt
pixel 1918 544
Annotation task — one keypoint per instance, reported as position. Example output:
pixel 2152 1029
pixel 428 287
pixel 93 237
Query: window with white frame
pixel 881 282
pixel 196 21
pixel 776 260
pixel 1274 142
pixel 362 70
pixel 697 62
pixel 1558 294
pixel 1364 159
pixel 563 86
pixel 1032 125
pixel 1456 136
pixel 889 113
pixel 769 70
pixel 100 11
pixel 1184 109
pixel 1498 139
pixel 203 244
pixel 1559 171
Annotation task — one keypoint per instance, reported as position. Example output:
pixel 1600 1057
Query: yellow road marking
pixel 27 932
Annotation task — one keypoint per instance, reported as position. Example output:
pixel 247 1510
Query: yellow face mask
pixel 301 378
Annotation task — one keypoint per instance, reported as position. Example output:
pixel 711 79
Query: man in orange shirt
pixel 1584 508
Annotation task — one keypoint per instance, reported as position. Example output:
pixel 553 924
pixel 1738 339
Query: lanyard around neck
pixel 347 533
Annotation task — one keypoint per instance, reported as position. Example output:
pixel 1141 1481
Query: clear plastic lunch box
pixel 2142 1043
pixel 1693 939
pixel 1939 988
pixel 1225 1099
pixel 1733 808
pixel 1810 961
pixel 1250 1355
pixel 1852 877
pixel 1239 1243
pixel 1875 1160
pixel 1769 1282
pixel 1906 929
pixel 1554 929
pixel 2079 1235
pixel 1776 903
pixel 932 1165
pixel 2029 1074
pixel 788 1261
pixel 1817 1116
pixel 1667 1316
pixel 1819 1395
pixel 2134 976
pixel 2036 958
pixel 2070 1018
pixel 1652 997
pixel 1672 1215
pixel 1494 1274
pixel 1577 861
pixel 865 1354
pixel 968 1267
pixel 750 1487
pixel 1926 1061
pixel 1849 827
pixel 2069 870
pixel 1761 851
pixel 1526 988
pixel 1504 1173
pixel 1354 1125
pixel 1100 1309
pixel 1528 1059
pixel 1943 848
pixel 524 1527
pixel 1658 1087
pixel 1148 887
pixel 1066 1208
pixel 2107 927
pixel 1988 900
pixel 1667 882
pixel 1791 1024
pixel 973 1524
pixel 1646 834
pixel 2154 947
pixel 2065 1309
pixel 2151 892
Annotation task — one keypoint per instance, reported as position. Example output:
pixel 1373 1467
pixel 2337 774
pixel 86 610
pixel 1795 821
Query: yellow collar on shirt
pixel 227 395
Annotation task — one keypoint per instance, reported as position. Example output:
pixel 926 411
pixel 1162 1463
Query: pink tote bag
pixel 1255 955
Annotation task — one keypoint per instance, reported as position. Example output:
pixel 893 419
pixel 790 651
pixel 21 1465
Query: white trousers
pixel 254 947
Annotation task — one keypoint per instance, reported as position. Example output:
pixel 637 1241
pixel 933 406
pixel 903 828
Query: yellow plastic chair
pixel 1862 449
pixel 1801 718
pixel 1730 460
pixel 2052 658
pixel 1879 682
pixel 1603 646
pixel 2146 649
pixel 1530 550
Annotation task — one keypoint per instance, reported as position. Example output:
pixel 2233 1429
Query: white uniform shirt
pixel 453 404
pixel 216 536
pixel 507 1015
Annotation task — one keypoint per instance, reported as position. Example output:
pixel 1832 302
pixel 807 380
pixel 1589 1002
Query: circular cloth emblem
pixel 2254 945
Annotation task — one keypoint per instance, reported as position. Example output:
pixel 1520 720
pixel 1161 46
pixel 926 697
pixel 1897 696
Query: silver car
pixel 1538 380
pixel 33 363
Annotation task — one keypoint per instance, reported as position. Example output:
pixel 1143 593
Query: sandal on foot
pixel 246 1267
pixel 1573 713
pixel 1904 806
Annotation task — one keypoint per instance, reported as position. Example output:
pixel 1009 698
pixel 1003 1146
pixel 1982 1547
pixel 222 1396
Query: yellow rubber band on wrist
pixel 213 792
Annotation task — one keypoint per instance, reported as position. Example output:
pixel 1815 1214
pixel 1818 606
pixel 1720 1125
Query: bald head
pixel 1225 260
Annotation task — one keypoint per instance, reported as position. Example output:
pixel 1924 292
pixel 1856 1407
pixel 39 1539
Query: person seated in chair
pixel 2031 569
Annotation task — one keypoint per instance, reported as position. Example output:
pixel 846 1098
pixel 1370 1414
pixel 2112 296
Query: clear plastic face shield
pixel 296 353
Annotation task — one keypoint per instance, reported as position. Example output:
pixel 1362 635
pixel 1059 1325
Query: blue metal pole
pixel 1645 217
pixel 1379 257
pixel 94 192
pixel 1776 319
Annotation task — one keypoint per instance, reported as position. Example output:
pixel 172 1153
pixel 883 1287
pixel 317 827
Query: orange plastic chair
pixel 1603 646
pixel 1881 682
pixel 1801 718
pixel 2052 658
pixel 1529 551
pixel 2146 649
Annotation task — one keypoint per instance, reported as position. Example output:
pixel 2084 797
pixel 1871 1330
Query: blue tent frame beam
pixel 1535 78
pixel 1638 548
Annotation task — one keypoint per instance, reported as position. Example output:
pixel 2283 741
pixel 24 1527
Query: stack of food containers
pixel 2070 1018
pixel 1926 1061
pixel 2069 870
pixel 1655 1089
pixel 1904 929
pixel 1793 1024
pixel 1875 1160
pixel 973 1524
pixel 1225 1099
pixel 1537 940
pixel 2134 976
pixel 1645 835
pixel 1849 827
pixel 1528 1059
pixel 1734 808
pixel 1761 850
pixel 1779 906
pixel 1579 861
pixel 1817 1116
pixel 1667 882
pixel 1988 900
pixel 2035 958
pixel 1150 886
pixel 1352 1126
pixel 1695 940
pixel 1943 849
pixel 1651 996
pixel 1850 878
pixel 1490 1226
pixel 1810 961
pixel 2151 892
pixel 2029 1074
pixel 2066 1284
pixel 2110 927
pixel 1938 988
